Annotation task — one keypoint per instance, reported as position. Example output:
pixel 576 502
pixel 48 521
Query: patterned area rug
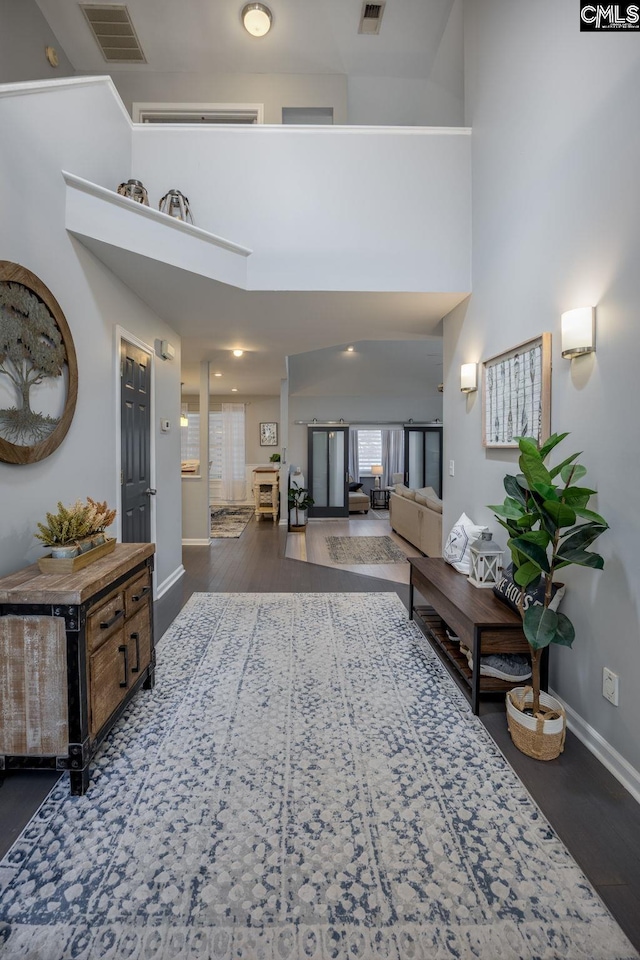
pixel 304 783
pixel 364 550
pixel 229 522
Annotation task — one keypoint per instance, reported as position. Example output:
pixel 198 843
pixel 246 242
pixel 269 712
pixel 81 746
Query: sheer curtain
pixel 392 454
pixel 234 486
pixel 354 465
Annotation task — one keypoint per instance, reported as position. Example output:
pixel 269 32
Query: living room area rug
pixel 229 522
pixel 364 550
pixel 305 782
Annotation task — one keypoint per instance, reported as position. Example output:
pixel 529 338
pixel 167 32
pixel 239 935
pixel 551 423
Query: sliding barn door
pixel 423 457
pixel 328 471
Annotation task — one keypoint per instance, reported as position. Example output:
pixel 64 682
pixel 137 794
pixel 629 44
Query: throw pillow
pixel 458 545
pixel 428 493
pixel 353 487
pixel 507 590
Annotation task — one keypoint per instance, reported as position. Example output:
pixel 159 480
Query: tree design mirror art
pixel 38 369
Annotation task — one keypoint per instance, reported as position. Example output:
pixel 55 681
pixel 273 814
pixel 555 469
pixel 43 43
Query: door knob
pixel 150 492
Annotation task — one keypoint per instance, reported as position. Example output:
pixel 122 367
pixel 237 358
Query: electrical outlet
pixel 452 468
pixel 610 682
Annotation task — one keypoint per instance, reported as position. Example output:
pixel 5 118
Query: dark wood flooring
pixel 597 819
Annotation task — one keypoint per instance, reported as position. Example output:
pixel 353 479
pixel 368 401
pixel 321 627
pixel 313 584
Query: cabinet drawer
pixel 136 593
pixel 108 680
pixel 102 621
pixel 138 634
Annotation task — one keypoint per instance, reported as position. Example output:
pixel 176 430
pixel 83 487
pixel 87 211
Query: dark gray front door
pixel 135 421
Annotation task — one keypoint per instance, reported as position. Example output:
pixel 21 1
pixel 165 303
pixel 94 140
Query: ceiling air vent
pixel 371 18
pixel 112 28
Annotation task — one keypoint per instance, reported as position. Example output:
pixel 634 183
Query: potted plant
pixel 100 517
pixel 299 503
pixel 550 527
pixel 64 529
pixel 274 458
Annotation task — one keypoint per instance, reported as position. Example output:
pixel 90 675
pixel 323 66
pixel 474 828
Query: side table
pixel 379 499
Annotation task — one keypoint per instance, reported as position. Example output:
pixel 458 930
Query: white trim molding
pixel 169 582
pixel 26 87
pixel 608 756
pixel 196 543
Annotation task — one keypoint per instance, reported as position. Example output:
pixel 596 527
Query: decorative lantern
pixel 176 205
pixel 486 561
pixel 135 190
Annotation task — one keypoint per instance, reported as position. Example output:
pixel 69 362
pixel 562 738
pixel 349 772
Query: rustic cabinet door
pixel 108 679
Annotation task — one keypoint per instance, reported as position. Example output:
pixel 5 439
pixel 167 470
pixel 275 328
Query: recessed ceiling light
pixel 256 18
pixel 234 389
pixel 349 349
pixel 217 374
pixel 238 353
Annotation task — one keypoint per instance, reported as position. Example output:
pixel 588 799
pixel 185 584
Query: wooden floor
pixel 312 544
pixel 594 816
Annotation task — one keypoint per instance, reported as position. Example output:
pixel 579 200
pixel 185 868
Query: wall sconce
pixel 256 18
pixel 469 377
pixel 377 471
pixel 578 332
pixel 167 350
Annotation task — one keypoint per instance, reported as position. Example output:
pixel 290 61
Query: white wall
pixel 24 34
pixel 437 100
pixel 79 127
pixel 324 208
pixel 275 91
pixel 555 115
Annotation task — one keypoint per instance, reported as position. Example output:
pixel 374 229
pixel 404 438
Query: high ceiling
pixel 307 36
pixel 205 37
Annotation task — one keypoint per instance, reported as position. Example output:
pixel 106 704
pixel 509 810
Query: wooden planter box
pixel 51 564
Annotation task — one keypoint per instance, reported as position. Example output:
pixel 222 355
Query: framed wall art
pixel 516 396
pixel 268 434
pixel 38 368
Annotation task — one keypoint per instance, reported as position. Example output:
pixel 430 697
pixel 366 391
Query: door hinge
pixel 121 477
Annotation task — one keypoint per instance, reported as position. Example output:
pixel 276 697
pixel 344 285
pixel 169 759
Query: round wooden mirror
pixel 38 368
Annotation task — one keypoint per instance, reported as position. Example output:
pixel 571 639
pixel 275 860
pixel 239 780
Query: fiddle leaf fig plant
pixel 550 527
pixel 298 500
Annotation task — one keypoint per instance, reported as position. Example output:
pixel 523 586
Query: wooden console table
pixel 74 649
pixel 266 492
pixel 484 624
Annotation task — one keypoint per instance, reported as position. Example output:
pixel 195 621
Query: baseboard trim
pixel 608 756
pixel 170 580
pixel 196 543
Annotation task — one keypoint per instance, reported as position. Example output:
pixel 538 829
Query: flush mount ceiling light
pixel 349 349
pixel 238 353
pixel 217 374
pixel 256 19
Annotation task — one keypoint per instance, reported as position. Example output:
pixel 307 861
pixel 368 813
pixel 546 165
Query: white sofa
pixel 416 515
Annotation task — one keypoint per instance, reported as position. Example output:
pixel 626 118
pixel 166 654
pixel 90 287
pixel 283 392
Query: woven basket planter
pixel 539 737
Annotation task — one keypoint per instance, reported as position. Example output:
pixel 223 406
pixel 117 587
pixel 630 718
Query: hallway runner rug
pixel 364 550
pixel 305 782
pixel 229 522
